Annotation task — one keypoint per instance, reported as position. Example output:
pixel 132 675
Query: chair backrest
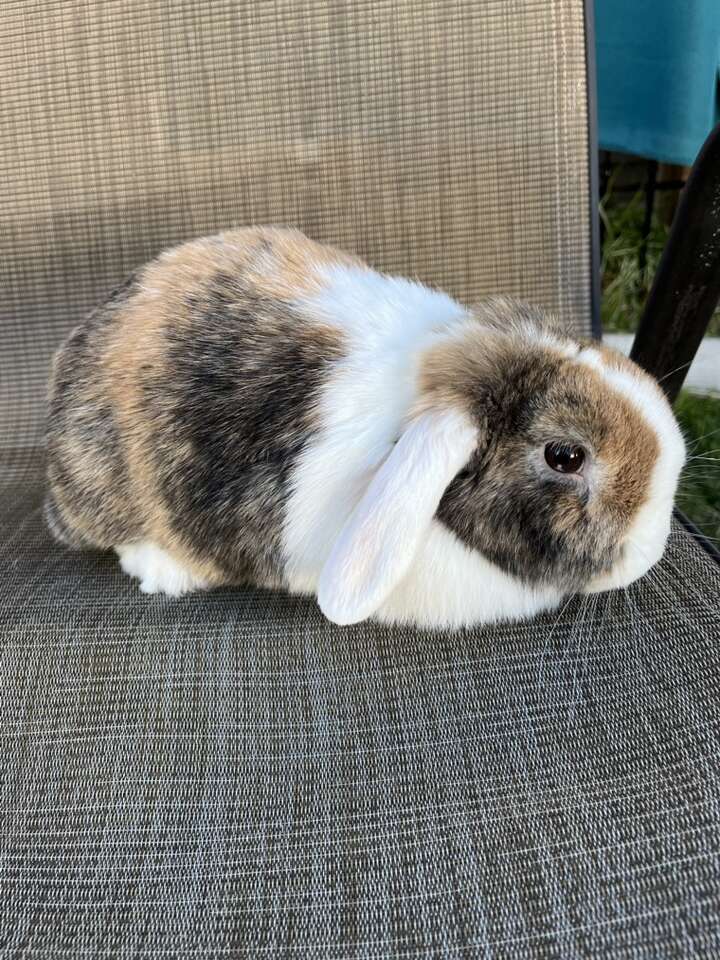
pixel 443 139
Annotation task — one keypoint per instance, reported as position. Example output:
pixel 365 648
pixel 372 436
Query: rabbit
pixel 257 408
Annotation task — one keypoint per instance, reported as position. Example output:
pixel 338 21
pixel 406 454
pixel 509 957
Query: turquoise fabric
pixel 658 65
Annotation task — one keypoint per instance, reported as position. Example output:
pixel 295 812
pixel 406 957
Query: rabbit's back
pixel 179 406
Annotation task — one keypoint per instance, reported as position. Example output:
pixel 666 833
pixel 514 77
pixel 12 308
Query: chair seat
pixel 228 774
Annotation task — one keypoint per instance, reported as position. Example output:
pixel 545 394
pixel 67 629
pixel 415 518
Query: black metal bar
pixel 593 173
pixel 699 537
pixel 686 289
pixel 650 184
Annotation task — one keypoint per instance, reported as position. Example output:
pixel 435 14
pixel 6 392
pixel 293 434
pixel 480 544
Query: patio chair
pixel 228 774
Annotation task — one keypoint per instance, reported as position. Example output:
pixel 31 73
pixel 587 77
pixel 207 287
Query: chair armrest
pixel 686 288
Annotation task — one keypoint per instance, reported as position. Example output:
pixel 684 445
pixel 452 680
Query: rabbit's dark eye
pixel 564 458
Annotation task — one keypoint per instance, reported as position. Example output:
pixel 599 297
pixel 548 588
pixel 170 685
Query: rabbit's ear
pixel 379 540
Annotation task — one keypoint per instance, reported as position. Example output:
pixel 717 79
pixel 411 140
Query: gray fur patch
pixel 230 412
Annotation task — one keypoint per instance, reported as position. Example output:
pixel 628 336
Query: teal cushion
pixel 658 74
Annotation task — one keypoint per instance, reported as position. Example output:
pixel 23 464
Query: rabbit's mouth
pixel 636 556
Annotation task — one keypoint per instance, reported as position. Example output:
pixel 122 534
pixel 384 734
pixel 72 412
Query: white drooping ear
pixel 379 540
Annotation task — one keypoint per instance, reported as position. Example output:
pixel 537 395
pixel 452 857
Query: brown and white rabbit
pixel 256 408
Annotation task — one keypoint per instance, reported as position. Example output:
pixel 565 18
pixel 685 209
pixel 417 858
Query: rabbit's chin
pixel 636 560
pixel 449 586
pixel 641 548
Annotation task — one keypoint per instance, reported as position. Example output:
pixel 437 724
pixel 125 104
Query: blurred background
pixel 658 70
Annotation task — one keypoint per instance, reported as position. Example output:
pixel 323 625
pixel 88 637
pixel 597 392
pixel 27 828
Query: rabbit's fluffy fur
pixel 257 408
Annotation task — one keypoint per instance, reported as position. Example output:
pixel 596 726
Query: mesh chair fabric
pixel 443 140
pixel 230 775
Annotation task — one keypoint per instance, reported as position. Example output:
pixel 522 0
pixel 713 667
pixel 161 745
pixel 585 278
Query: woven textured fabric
pixel 230 775
pixel 443 139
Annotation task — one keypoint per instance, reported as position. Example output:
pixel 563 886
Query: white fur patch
pixel 450 585
pixel 157 571
pixel 378 544
pixel 386 323
pixel 645 540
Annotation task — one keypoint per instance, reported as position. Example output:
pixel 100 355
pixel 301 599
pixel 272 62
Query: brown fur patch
pixel 451 370
pixel 624 444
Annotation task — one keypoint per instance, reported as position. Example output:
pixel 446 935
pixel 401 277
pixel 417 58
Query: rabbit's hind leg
pixel 157 570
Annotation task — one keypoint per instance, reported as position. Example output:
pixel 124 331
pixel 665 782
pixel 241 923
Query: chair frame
pixel 686 289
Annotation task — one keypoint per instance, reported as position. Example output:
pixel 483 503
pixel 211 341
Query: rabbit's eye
pixel 564 458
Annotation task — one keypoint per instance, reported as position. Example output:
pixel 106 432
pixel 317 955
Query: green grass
pixel 624 284
pixel 625 288
pixel 699 493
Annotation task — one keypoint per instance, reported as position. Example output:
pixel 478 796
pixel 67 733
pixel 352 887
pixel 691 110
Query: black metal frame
pixel 686 288
pixel 594 167
pixel 697 535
